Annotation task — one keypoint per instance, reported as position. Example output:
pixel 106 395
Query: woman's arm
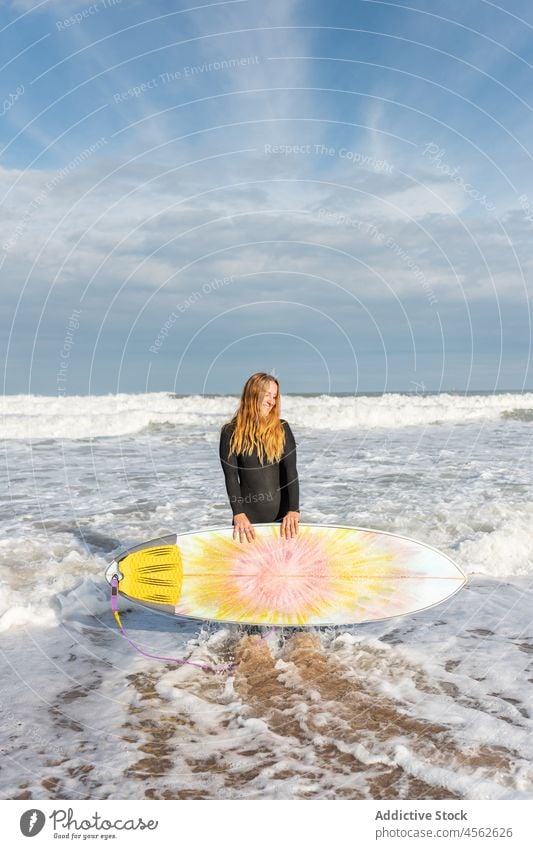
pixel 231 471
pixel 291 474
pixel 241 523
pixel 290 522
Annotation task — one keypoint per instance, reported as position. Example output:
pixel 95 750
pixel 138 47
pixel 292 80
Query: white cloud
pixel 312 230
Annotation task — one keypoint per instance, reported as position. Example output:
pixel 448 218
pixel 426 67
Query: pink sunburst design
pixel 322 575
pixel 277 574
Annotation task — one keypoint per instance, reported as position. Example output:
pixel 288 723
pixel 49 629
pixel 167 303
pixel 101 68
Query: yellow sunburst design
pixel 316 576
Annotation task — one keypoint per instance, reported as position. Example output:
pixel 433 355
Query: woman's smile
pixel 269 399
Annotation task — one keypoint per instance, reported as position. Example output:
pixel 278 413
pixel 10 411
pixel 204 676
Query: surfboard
pixel 326 575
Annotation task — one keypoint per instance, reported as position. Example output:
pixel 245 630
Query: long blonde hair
pixel 252 430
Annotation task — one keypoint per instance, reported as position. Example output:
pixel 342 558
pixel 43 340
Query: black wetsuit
pixel 267 492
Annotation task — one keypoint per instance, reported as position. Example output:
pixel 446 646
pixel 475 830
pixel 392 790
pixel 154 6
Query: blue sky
pixel 340 193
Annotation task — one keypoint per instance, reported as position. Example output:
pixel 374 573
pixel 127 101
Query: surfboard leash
pixel 206 667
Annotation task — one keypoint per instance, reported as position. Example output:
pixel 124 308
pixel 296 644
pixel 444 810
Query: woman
pixel 258 456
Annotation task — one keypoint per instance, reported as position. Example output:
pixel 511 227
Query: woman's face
pixel 269 398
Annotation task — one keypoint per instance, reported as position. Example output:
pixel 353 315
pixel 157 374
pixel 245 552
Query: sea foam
pixel 90 416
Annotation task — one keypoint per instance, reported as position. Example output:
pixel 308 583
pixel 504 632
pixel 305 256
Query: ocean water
pixel 434 705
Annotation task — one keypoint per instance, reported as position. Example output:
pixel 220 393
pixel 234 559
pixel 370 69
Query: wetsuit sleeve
pixel 231 472
pixel 291 475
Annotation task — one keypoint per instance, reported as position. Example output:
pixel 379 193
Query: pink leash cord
pixel 224 667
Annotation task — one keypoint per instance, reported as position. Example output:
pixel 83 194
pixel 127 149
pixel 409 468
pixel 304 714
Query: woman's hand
pixel 289 524
pixel 242 525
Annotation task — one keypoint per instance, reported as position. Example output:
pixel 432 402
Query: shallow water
pixel 436 705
